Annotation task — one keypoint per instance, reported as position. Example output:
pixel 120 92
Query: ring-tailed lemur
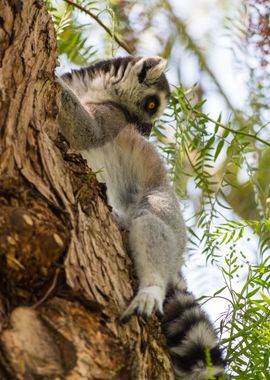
pixel 106 115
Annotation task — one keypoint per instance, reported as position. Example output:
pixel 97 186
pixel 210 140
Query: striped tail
pixel 191 339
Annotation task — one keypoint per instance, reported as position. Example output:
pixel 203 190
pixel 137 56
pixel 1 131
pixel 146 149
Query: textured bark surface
pixel 65 276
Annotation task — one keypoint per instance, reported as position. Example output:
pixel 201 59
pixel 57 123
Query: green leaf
pixel 218 150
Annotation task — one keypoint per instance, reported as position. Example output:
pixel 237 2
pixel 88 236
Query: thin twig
pixel 97 19
pixel 49 291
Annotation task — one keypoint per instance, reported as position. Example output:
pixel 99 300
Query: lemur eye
pixel 151 104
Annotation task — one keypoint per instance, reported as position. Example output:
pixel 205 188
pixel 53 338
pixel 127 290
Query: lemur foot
pixel 145 302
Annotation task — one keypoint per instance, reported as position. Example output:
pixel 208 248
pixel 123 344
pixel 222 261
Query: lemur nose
pixel 145 128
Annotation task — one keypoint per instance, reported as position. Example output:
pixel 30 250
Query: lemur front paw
pixel 145 302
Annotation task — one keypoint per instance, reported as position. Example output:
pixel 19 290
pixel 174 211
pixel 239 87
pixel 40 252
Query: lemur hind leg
pixel 153 247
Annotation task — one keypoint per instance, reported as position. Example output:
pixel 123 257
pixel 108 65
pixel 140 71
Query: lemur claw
pixel 145 302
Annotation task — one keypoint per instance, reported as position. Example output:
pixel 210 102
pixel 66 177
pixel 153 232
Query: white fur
pixel 147 299
pixel 199 333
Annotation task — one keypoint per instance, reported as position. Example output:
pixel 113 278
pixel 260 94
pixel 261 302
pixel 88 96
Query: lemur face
pixel 137 84
pixel 143 81
pixel 140 85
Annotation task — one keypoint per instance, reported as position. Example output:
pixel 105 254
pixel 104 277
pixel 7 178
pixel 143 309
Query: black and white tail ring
pixel 191 339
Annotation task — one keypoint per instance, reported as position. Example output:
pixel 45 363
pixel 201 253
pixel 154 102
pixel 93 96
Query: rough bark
pixel 65 273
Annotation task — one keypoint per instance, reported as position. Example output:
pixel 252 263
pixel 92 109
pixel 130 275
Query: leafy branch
pixel 233 230
pixel 101 23
pixel 199 114
pixel 234 131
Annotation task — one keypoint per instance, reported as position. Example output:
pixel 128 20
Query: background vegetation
pixel 219 161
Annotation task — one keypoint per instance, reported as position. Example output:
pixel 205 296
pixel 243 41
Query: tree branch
pixel 97 19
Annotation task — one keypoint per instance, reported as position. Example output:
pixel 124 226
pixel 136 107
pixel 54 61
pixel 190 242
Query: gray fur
pixel 105 116
pixel 91 125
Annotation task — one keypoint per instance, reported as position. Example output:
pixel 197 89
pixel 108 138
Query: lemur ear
pixel 150 68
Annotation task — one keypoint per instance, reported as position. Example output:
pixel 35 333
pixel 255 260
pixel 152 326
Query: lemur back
pixel 107 114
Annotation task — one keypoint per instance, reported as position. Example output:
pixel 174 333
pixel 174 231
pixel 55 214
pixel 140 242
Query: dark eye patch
pixel 151 104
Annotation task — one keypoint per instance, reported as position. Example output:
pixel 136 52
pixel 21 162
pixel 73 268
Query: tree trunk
pixel 65 273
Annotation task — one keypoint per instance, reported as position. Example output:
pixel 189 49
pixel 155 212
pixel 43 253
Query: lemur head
pixel 136 84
